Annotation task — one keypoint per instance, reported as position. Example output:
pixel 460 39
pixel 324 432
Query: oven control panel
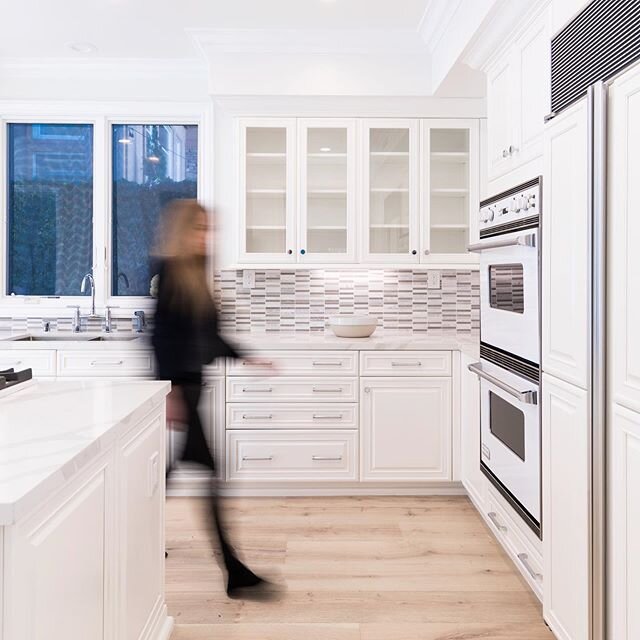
pixel 517 204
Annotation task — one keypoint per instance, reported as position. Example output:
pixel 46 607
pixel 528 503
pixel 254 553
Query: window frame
pixel 101 117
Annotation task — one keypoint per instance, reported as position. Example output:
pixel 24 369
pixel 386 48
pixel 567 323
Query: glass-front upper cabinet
pixel 450 189
pixel 391 191
pixel 326 155
pixel 267 178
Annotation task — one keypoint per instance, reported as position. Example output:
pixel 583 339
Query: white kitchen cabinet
pixel 565 255
pixel 624 524
pixel 565 496
pixel 42 362
pixel 518 97
pixel 106 363
pixel 405 429
pixel 299 363
pixel 285 389
pixel 327 212
pixel 264 415
pixel 267 190
pixel 390 191
pixel 624 239
pixel 405 363
pixel 450 189
pixel 473 479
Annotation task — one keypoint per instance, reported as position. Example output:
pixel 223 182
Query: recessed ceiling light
pixel 82 47
pixel 325 149
pixel 124 141
pixel 153 159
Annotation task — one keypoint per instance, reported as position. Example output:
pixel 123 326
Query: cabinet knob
pixel 414 252
pixel 367 389
pixel 290 251
pixel 302 251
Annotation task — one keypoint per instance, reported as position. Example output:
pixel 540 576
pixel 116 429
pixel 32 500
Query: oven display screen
pixel 507 424
pixel 506 287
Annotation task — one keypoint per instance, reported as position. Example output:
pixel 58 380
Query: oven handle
pixel 526 397
pixel 527 240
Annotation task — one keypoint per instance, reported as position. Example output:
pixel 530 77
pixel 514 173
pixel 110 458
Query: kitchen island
pixel 82 511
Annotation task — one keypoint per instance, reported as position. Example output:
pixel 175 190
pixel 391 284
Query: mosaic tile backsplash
pixel 303 301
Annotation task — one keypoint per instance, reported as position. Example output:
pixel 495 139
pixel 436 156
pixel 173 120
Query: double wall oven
pixel 509 367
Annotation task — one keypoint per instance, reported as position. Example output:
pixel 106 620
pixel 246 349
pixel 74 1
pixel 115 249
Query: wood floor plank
pixel 361 568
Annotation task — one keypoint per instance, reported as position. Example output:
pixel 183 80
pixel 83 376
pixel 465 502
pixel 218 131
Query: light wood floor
pixel 392 568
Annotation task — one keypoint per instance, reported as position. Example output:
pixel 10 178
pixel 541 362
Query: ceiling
pixel 160 29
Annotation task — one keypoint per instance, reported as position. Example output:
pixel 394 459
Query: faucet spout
pixel 83 286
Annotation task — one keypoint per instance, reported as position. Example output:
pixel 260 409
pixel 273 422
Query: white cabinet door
pixel 267 190
pixel 472 478
pixel 141 549
pixel 405 429
pixel 390 193
pixel 624 525
pixel 449 189
pixel 327 169
pixel 532 83
pixel 565 247
pixel 565 499
pixel 624 239
pixel 501 109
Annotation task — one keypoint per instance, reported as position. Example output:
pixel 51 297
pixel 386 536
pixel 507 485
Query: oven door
pixel 510 437
pixel 509 294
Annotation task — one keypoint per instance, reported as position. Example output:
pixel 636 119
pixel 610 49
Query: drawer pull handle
pixel 327 458
pixel 317 416
pixel 406 364
pixel 114 363
pixel 258 459
pixel 524 559
pixel 326 364
pixel 246 417
pixel 319 390
pixel 261 363
pixel 494 518
pixel 249 390
pixel 7 365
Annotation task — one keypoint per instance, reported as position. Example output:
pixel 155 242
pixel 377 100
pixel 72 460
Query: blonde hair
pixel 185 272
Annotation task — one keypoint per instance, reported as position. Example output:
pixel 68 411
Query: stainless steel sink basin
pixel 113 338
pixel 71 338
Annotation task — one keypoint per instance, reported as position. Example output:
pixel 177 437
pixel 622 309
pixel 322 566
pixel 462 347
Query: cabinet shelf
pixel 266 192
pixel 266 227
pixel 390 190
pixel 389 154
pixel 266 158
pixel 459 227
pixel 327 228
pixel 450 157
pixel 389 226
pixel 450 193
pixel 319 193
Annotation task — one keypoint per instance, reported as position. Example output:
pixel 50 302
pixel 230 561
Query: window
pixel 50 208
pixel 152 165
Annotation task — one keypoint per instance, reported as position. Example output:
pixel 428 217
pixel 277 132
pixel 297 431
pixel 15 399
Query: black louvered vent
pixel 600 41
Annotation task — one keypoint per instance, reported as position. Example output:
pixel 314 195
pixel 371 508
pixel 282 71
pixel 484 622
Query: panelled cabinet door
pixel 405 429
pixel 390 196
pixel 565 247
pixel 450 189
pixel 624 525
pixel 565 499
pixel 501 106
pixel 267 190
pixel 473 479
pixel 532 60
pixel 327 165
pixel 624 239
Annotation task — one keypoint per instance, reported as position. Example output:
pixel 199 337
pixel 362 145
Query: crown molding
pixel 435 21
pixel 130 65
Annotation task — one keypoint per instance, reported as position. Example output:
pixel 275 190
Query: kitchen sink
pixel 113 338
pixel 76 337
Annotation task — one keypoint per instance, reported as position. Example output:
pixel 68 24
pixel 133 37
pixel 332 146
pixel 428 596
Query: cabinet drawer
pixel 286 416
pixel 405 363
pixel 292 390
pixel 519 542
pixel 43 363
pixel 105 363
pixel 291 455
pixel 289 363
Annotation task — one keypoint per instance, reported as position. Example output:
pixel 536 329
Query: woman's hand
pixel 176 410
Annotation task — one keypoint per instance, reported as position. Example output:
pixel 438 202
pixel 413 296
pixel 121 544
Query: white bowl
pixel 353 326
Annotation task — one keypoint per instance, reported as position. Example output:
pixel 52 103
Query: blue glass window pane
pixel 50 208
pixel 152 165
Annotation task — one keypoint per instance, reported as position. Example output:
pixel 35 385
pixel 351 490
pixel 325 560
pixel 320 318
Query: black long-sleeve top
pixel 184 341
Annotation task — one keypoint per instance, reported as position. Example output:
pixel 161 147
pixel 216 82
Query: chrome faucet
pixel 76 321
pixel 83 287
pixel 139 321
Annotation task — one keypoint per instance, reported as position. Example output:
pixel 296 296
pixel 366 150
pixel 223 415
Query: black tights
pixel 197 450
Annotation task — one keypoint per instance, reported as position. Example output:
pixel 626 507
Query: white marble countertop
pixel 50 430
pixel 250 341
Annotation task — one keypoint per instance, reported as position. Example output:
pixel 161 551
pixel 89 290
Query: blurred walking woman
pixel 185 339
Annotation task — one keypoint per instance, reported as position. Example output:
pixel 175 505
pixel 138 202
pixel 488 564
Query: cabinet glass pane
pixel 449 197
pixel 389 191
pixel 266 189
pixel 326 190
